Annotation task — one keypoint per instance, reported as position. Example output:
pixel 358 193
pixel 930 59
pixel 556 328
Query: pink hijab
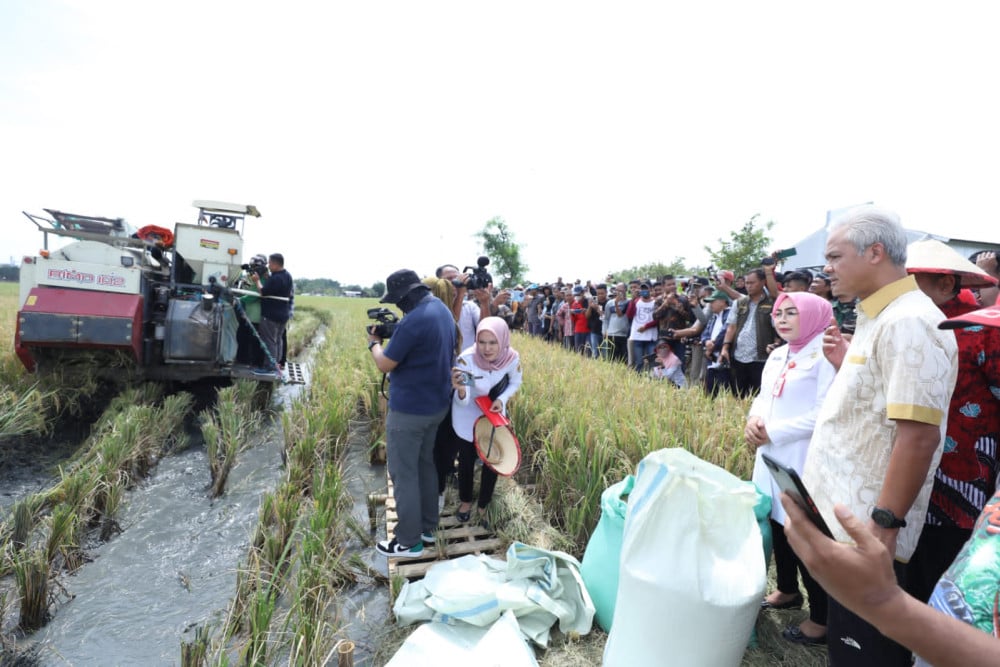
pixel 814 316
pixel 498 327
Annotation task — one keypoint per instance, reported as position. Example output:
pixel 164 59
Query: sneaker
pixel 428 539
pixel 395 549
pixel 263 371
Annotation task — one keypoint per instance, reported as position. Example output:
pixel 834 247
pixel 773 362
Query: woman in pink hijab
pixel 488 367
pixel 793 385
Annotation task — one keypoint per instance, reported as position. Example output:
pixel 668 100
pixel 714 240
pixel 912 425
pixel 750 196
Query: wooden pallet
pixel 295 373
pixel 454 539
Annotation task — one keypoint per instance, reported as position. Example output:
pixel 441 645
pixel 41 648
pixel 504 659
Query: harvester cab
pixel 152 303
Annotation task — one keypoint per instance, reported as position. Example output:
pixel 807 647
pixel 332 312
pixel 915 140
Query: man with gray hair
pixel 878 437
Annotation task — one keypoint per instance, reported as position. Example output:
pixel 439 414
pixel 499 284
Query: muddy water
pixel 367 605
pixel 30 466
pixel 173 567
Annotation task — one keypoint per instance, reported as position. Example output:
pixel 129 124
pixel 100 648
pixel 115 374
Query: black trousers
pixel 716 380
pixel 444 451
pixel 620 350
pixel 936 549
pixel 787 566
pixel 447 447
pixel 853 642
pixel 467 457
pixel 746 377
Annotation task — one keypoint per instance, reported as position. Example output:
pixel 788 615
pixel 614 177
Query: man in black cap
pixel 418 360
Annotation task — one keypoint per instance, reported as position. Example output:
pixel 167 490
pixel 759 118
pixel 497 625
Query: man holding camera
pixel 467 312
pixel 749 331
pixel 418 361
pixel 275 305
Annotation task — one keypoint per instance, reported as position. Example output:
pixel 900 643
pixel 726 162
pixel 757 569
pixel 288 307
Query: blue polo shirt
pixel 423 346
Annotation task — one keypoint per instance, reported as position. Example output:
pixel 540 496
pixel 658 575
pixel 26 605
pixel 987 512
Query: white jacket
pixel 790 417
pixel 465 412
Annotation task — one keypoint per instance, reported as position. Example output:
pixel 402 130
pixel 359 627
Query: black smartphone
pixel 789 481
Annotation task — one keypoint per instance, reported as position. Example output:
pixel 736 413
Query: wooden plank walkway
pixel 454 539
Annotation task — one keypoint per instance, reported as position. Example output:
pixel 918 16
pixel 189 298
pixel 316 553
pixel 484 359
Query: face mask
pixel 644 293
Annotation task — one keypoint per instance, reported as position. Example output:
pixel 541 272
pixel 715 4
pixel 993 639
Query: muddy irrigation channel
pixel 173 567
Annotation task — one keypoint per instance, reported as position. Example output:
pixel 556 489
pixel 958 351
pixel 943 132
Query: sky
pixel 374 136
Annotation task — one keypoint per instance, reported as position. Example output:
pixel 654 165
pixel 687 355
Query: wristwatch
pixel 373 343
pixel 887 519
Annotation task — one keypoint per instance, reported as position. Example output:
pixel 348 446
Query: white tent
pixel 810 251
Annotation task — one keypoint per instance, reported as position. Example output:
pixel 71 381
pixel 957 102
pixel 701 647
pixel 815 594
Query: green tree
pixel 652 271
pixel 323 286
pixel 499 245
pixel 745 248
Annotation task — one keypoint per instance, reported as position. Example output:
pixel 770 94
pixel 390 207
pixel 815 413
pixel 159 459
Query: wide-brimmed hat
pixel 399 285
pixel 932 256
pixel 984 317
pixel 495 441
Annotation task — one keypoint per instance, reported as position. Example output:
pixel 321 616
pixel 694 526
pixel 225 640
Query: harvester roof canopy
pixel 209 206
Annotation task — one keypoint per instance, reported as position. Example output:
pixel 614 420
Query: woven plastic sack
pixel 692 562
pixel 603 554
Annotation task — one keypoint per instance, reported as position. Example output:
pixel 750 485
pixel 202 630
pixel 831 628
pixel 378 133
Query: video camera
pixel 387 322
pixel 257 264
pixel 479 278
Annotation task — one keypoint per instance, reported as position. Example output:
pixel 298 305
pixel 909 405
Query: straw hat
pixel 497 446
pixel 931 256
pixel 984 317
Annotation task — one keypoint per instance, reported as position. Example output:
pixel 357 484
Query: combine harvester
pixel 146 304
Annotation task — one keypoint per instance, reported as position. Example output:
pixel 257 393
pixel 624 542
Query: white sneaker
pixel 397 550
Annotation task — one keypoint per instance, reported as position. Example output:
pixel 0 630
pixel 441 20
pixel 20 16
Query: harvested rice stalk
pixel 31 570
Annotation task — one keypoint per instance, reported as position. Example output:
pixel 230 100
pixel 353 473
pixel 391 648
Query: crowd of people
pixel 711 332
pixel 858 385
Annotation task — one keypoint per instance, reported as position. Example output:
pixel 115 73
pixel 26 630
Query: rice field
pixel 583 425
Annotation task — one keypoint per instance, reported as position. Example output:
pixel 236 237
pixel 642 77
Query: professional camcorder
pixel 387 322
pixel 257 264
pixel 479 278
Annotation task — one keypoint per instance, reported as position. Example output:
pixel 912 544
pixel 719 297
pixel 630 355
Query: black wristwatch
pixel 887 519
pixel 372 343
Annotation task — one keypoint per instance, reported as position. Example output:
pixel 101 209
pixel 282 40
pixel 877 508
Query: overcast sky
pixel 379 135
